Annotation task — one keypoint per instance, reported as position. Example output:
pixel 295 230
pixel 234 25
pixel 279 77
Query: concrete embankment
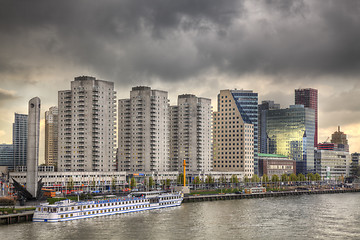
pixel 16 217
pixel 216 197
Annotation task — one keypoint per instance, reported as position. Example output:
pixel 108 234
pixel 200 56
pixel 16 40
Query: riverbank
pixel 231 196
pixel 27 215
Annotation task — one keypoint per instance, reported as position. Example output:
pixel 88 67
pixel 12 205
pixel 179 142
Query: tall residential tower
pixel 86 126
pixel 191 138
pixel 51 136
pixel 144 134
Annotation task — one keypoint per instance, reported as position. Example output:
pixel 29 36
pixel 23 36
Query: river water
pixel 327 216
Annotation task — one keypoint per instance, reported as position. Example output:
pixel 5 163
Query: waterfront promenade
pixel 230 196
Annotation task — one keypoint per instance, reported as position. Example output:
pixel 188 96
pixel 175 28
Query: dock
pixel 16 217
pixel 232 196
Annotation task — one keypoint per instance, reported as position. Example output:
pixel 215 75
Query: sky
pixel 190 46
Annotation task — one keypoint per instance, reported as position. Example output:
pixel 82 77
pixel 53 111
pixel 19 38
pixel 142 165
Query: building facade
pixel 86 126
pixel 275 164
pixel 332 165
pixel 247 103
pixel 20 135
pixel 339 138
pixel 333 146
pixel 264 107
pixel 309 98
pixel 51 136
pixel 77 181
pixel 7 156
pixel 291 133
pixel 144 131
pixel 233 136
pixel 354 165
pixel 190 134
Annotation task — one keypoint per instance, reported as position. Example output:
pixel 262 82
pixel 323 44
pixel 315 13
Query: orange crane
pixel 184 164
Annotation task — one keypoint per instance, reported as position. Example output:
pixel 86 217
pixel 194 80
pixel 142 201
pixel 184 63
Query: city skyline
pixel 270 47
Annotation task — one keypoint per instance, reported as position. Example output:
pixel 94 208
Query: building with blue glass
pixel 291 133
pixel 7 155
pixel 263 139
pixel 247 103
pixel 20 134
pixel 233 132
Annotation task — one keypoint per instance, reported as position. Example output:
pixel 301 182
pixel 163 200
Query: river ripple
pixel 327 216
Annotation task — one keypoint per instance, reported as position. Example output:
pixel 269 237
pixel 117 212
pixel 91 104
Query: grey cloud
pixel 343 101
pixel 134 41
pixel 6 96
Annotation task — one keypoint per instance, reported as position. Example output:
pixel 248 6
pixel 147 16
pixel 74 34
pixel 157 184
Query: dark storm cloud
pixel 100 34
pixel 130 40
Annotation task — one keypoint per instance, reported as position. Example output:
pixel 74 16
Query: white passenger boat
pixel 68 210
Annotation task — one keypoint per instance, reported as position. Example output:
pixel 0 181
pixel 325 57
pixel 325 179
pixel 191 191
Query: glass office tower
pixel 263 141
pixel 20 134
pixel 291 133
pixel 309 98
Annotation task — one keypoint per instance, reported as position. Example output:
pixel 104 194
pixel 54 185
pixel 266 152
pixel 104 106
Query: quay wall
pixel 231 196
pixel 16 217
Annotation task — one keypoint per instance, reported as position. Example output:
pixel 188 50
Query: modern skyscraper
pixel 86 126
pixel 264 107
pixel 234 132
pixel 309 98
pixel 247 103
pixel 7 155
pixel 20 134
pixel 51 136
pixel 191 136
pixel 144 133
pixel 291 133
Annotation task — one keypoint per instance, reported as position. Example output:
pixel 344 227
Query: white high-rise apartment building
pixel 143 138
pixel 87 126
pixel 51 136
pixel 191 136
